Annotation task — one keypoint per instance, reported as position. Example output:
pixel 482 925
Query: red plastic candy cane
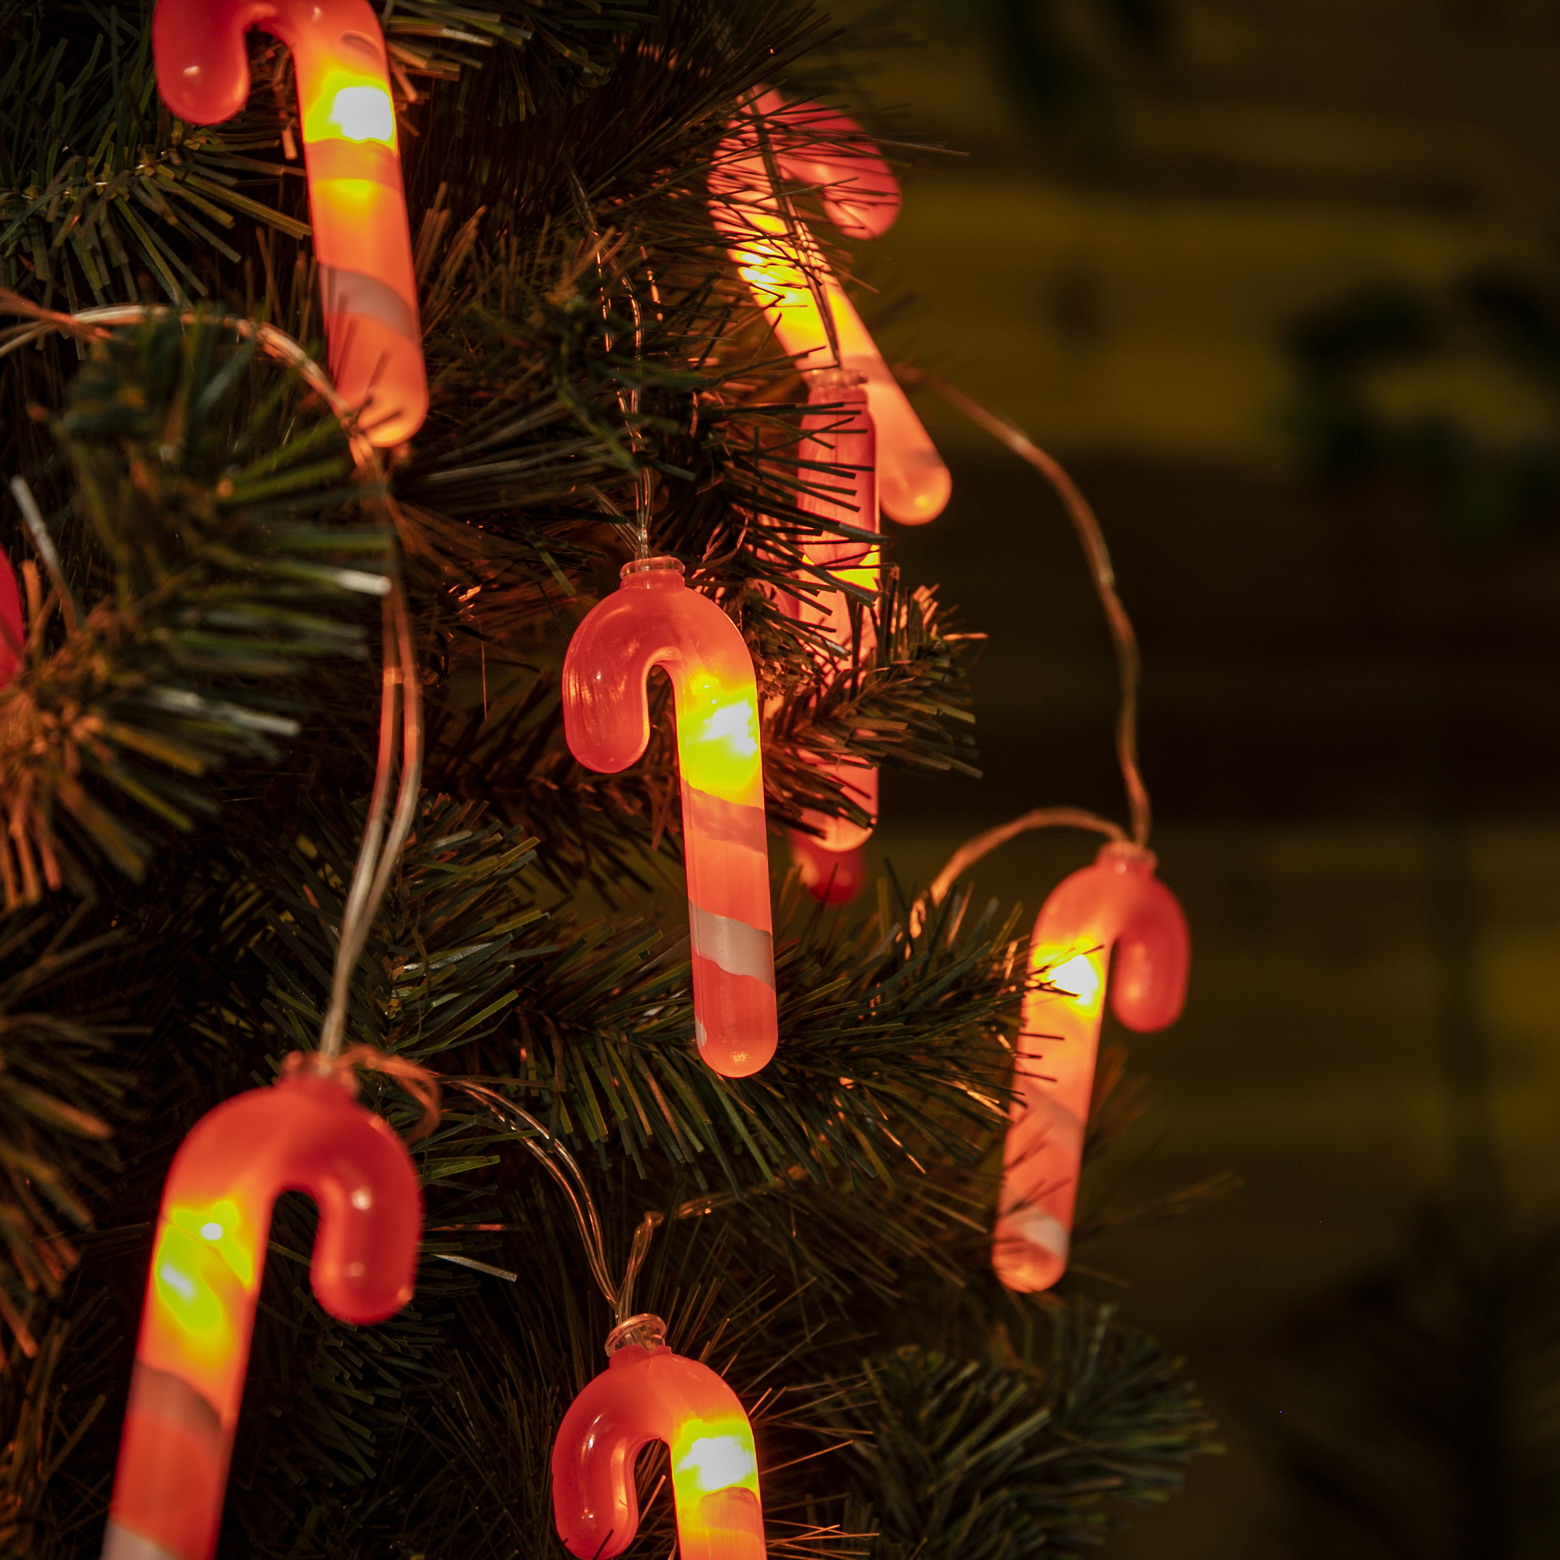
pixel 793 282
pixel 651 1394
pixel 13 628
pixel 1116 901
pixel 655 620
pixel 843 436
pixel 362 243
pixel 305 1133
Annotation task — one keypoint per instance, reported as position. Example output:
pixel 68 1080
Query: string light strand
pixel 1091 537
pixel 562 1166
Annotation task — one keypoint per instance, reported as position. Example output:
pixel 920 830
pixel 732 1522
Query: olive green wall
pixel 1336 696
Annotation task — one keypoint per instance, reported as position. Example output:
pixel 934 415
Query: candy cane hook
pixel 362 243
pixel 655 620
pixel 651 1394
pixel 1116 902
pixel 305 1133
pixel 794 284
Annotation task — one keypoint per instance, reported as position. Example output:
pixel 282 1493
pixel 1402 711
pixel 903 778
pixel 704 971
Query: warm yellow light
pixel 204 1254
pixel 1079 977
pixel 363 113
pixel 780 284
pixel 718 1461
pixel 188 1279
pixel 717 737
pixel 222 1226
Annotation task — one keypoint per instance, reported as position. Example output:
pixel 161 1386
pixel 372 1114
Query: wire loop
pixel 1091 537
pixel 400 722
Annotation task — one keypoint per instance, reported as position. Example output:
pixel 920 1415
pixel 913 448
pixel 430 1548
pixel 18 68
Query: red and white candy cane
pixel 305 1133
pixel 655 620
pixel 362 244
pixel 13 625
pixel 839 434
pixel 1117 902
pixel 648 1393
pixel 794 284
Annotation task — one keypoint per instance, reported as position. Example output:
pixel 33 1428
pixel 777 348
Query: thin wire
pixel 643 490
pixel 973 850
pixel 1087 526
pixel 629 403
pixel 969 853
pixel 561 1165
pixel 379 851
pixel 400 687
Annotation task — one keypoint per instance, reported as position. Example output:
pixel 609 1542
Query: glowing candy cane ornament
pixel 648 1393
pixel 305 1133
pixel 841 435
pixel 13 627
pixel 794 284
pixel 362 244
pixel 1116 901
pixel 655 620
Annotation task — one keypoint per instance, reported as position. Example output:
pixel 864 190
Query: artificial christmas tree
pixel 205 805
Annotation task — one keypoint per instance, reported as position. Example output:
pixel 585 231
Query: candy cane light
pixel 655 620
pixel 305 1133
pixel 648 1393
pixel 13 627
pixel 839 434
pixel 1116 903
pixel 362 243
pixel 792 281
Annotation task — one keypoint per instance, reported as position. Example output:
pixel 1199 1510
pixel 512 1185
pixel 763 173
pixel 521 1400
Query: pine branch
pixel 980 1461
pixel 99 186
pixel 554 51
pixel 205 534
pixel 58 1093
pixel 905 705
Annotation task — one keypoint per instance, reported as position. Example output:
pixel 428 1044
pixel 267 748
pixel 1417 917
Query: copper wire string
pixel 379 849
pixel 561 1165
pixel 1102 572
pixel 983 844
pixel 1096 554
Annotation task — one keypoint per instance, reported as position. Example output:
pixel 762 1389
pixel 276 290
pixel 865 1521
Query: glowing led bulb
pixel 714 1461
pixel 363 114
pixel 305 1134
pixel 655 620
pixel 362 243
pixel 1115 903
pixel 1078 979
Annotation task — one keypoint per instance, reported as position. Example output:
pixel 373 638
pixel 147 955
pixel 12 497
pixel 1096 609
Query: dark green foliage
pixel 975 1461
pixel 185 757
pixel 100 191
pixel 201 578
pixel 58 1095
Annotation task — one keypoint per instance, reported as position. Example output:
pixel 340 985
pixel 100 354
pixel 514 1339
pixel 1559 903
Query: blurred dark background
pixel 1279 280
